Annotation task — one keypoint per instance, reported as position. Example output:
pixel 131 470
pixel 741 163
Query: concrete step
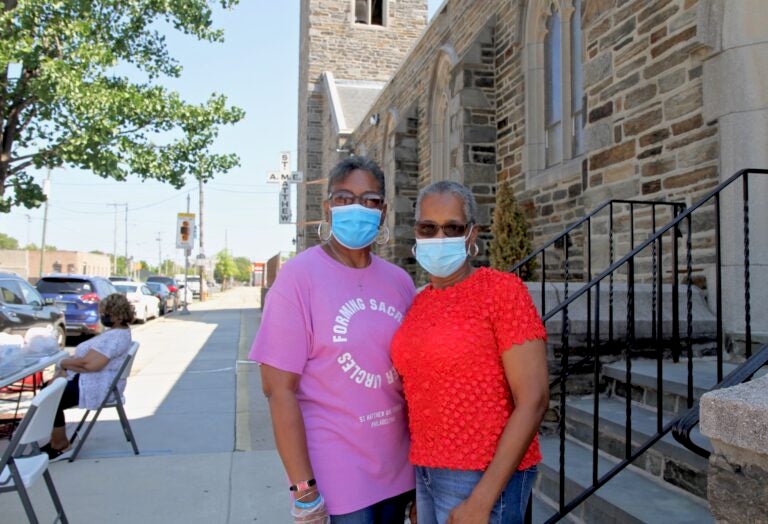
pixel 667 460
pixel 674 381
pixel 704 321
pixel 630 497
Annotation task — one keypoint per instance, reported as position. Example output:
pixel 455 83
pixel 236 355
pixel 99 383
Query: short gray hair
pixel 454 188
pixel 349 164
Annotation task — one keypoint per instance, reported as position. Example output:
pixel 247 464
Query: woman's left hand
pixel 469 512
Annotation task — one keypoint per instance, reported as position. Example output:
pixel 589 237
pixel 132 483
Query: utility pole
pixel 185 310
pixel 127 269
pixel 47 193
pixel 29 223
pixel 159 253
pixel 201 255
pixel 114 240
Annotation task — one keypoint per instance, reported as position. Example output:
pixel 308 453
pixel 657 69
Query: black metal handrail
pixel 690 419
pixel 677 206
pixel 672 232
pixel 563 241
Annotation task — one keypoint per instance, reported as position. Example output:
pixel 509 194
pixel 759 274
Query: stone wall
pixel 736 421
pixel 646 135
pixel 332 41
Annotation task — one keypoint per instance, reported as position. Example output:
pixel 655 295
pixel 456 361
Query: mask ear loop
pixel 383 236
pixel 474 244
pixel 320 231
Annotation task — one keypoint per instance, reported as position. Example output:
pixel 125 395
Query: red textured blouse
pixel 448 351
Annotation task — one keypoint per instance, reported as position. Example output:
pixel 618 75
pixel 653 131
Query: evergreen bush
pixel 511 242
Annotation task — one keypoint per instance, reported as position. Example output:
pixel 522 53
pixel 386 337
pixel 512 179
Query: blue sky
pixel 257 68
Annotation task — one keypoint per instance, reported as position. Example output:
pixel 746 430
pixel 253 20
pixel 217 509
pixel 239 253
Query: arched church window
pixel 440 121
pixel 577 82
pixel 555 102
pixel 553 117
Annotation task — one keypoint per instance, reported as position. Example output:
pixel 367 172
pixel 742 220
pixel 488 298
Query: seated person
pixel 92 369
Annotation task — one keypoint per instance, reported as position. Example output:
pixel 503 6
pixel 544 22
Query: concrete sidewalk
pixel 201 424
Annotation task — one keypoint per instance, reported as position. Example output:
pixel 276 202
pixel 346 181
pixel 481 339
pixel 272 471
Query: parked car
pixel 193 281
pixel 173 284
pixel 22 308
pixel 114 278
pixel 168 300
pixel 141 298
pixel 78 296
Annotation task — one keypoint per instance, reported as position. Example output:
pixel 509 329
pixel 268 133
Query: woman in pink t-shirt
pixel 335 398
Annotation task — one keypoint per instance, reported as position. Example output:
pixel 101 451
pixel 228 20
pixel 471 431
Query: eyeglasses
pixel 430 229
pixel 346 198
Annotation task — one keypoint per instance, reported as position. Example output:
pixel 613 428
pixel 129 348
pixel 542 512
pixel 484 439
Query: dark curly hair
pixel 118 307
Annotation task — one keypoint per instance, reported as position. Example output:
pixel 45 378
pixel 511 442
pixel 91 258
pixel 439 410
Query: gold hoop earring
pixel 320 231
pixel 477 250
pixel 383 232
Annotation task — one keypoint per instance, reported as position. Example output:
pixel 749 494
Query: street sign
pixel 285 161
pixel 185 230
pixel 293 177
pixel 285 204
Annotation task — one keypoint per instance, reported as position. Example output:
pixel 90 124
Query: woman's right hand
pixel 317 514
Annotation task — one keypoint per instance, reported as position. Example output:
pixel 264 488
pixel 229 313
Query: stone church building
pixel 611 122
pixel 570 102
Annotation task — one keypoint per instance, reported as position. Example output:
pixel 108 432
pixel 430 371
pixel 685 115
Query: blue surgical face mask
pixel 355 226
pixel 441 257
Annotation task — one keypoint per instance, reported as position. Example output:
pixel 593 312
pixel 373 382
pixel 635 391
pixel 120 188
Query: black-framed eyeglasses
pixel 345 198
pixel 426 229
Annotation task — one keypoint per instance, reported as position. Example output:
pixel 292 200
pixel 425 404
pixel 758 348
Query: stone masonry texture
pixel 645 132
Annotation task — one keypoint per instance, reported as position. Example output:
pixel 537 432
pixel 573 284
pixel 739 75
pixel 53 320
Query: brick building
pixel 26 263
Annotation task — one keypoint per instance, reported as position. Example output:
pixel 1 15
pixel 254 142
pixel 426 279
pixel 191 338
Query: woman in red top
pixel 472 355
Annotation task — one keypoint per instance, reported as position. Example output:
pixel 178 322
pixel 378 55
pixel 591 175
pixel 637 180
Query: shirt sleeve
pixel 283 339
pixel 515 318
pixel 110 344
pixel 107 344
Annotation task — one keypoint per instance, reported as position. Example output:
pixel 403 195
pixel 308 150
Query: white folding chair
pixel 20 468
pixel 112 399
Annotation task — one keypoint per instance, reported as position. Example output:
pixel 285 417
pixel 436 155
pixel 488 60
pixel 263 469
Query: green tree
pixel 34 247
pixel 64 102
pixel 8 242
pixel 511 242
pixel 243 272
pixel 225 267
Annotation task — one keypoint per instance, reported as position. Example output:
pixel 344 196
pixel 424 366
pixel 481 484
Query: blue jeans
pixel 439 490
pixel 387 511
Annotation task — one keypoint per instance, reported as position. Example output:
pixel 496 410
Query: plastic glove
pixel 315 515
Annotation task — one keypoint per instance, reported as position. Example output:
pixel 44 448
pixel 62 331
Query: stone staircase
pixel 668 483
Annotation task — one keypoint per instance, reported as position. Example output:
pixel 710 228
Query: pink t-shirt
pixel 333 324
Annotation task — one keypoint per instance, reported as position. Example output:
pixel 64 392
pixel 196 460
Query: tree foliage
pixel 34 247
pixel 225 267
pixel 8 242
pixel 63 101
pixel 511 242
pixel 243 269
